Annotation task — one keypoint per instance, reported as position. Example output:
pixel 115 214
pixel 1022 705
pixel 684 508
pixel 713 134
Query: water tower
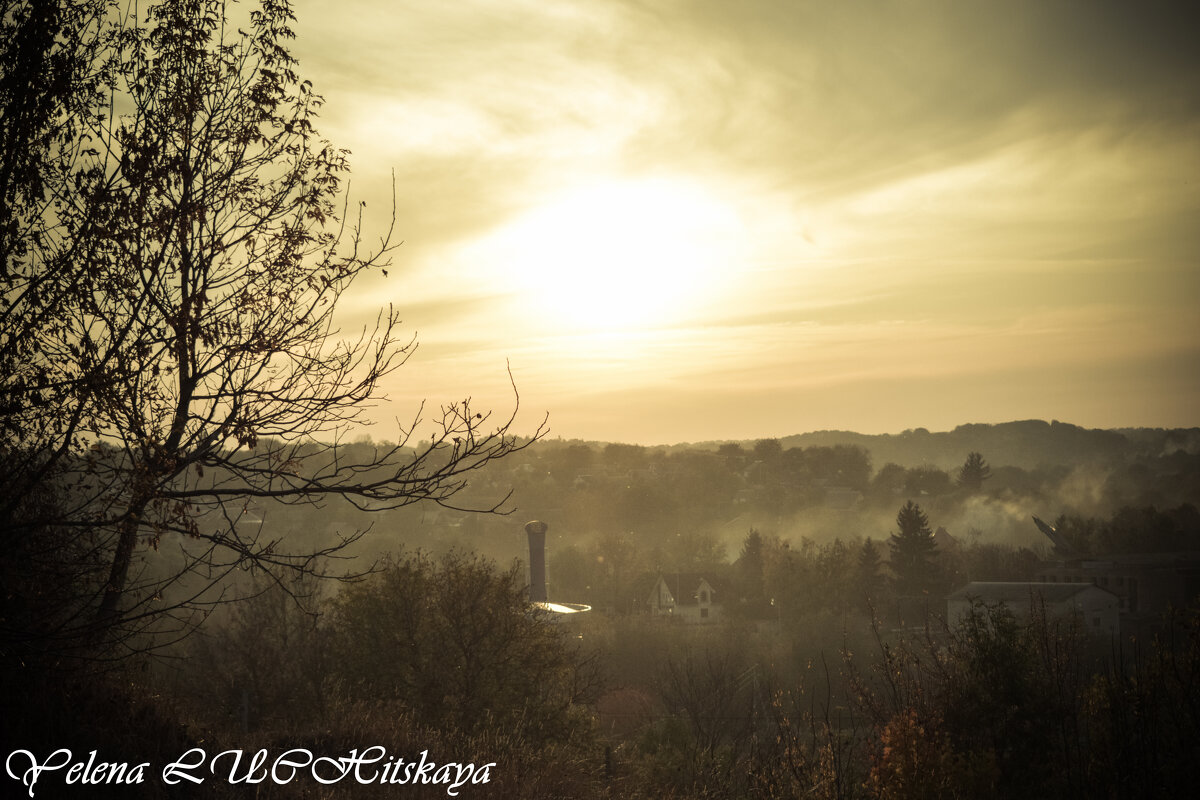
pixel 538 595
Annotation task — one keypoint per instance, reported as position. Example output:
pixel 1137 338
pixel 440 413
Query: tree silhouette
pixel 912 551
pixel 750 571
pixel 927 480
pixel 454 641
pixel 868 573
pixel 768 450
pixel 175 244
pixel 974 472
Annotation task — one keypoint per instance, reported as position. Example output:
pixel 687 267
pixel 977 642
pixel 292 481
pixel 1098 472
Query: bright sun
pixel 622 254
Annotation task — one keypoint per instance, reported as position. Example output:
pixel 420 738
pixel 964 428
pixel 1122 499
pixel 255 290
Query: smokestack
pixel 537 560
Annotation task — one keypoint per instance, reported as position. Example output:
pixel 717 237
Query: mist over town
pixel 599 399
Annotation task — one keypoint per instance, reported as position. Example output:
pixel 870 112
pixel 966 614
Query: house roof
pixel 683 586
pixel 944 540
pixel 1181 560
pixel 1019 592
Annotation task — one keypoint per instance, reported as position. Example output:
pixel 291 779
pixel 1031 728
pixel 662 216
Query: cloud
pixel 928 193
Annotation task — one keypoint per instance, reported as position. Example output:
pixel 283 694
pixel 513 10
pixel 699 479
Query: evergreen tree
pixel 868 575
pixel 749 571
pixel 913 551
pixel 974 472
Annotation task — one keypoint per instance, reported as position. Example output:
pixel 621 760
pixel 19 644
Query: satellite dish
pixel 562 608
pixel 1061 545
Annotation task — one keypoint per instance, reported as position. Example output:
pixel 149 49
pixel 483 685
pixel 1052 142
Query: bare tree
pixel 715 691
pixel 192 225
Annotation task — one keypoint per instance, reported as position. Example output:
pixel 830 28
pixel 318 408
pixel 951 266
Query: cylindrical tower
pixel 537 560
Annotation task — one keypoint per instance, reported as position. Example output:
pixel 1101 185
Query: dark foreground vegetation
pixel 829 671
pixel 443 656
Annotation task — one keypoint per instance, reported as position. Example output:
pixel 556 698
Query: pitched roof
pixel 1184 559
pixel 1020 592
pixel 684 585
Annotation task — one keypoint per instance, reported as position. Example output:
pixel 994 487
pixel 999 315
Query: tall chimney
pixel 537 560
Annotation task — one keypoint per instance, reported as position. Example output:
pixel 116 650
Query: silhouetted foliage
pixel 869 574
pixel 929 481
pixel 750 576
pixel 710 693
pixel 912 551
pixel 1133 530
pixel 974 472
pixel 454 643
pixel 889 482
pixel 174 252
pixel 768 450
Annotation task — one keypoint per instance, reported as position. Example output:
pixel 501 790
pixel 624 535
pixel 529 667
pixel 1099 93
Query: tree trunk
pixel 108 615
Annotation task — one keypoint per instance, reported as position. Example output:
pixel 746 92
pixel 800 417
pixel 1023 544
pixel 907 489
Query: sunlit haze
pixel 687 221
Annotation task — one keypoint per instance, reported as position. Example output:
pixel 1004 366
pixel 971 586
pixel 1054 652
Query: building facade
pixel 1097 609
pixel 688 597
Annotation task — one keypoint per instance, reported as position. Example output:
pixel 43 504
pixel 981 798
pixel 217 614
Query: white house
pixel 687 596
pixel 1097 609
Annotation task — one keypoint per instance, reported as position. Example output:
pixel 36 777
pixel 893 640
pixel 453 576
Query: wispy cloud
pixel 930 198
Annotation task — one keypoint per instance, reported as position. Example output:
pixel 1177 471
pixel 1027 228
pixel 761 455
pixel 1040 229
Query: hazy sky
pixel 682 221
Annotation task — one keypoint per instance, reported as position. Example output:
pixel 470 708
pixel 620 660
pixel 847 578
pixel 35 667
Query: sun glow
pixel 621 255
